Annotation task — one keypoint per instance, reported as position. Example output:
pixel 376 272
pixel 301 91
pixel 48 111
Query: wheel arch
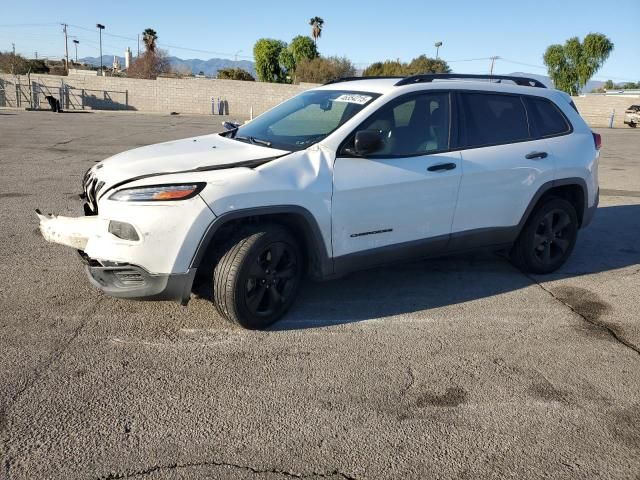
pixel 572 189
pixel 297 219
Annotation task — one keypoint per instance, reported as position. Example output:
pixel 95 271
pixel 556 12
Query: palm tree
pixel 316 28
pixel 149 37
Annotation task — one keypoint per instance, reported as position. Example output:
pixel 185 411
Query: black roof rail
pixel 353 79
pixel 430 77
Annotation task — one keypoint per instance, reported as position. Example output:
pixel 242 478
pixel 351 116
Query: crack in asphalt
pixel 39 372
pixel 172 466
pixel 610 330
pixel 412 380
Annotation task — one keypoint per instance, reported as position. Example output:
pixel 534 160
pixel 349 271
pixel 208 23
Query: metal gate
pixel 32 95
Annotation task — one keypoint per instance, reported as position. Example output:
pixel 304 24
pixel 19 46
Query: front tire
pixel 548 237
pixel 258 276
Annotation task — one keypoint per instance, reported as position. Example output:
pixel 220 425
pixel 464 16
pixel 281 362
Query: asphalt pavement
pixel 459 367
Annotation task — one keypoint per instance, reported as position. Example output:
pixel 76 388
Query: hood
pixel 207 152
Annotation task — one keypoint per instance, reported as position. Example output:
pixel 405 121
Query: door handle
pixel 534 155
pixel 440 167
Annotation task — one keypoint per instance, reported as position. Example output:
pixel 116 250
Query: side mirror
pixel 367 142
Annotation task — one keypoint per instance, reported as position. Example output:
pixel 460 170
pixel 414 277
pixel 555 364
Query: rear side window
pixel 492 119
pixel 545 117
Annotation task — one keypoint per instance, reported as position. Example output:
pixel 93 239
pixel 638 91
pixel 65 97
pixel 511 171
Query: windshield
pixel 304 120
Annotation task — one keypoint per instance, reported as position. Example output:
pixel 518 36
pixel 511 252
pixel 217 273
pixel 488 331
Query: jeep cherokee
pixel 356 173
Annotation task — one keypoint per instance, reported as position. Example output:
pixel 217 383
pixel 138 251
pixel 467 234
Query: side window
pixel 545 117
pixel 412 126
pixel 492 119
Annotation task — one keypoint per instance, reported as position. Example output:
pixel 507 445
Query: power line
pixel 11 25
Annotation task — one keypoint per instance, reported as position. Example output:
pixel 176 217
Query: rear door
pixel 503 166
pixel 402 197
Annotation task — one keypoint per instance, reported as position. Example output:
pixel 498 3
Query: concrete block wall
pixel 596 109
pixel 164 95
pixel 193 95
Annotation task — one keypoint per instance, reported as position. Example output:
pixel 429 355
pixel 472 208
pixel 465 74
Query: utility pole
pixel 100 27
pixel 236 55
pixel 66 48
pixel 493 60
pixel 13 46
pixel 76 42
pixel 36 55
pixel 138 45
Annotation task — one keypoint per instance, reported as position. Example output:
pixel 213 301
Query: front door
pixel 399 201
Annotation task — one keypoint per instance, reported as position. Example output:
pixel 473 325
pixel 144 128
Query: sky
pixel 364 31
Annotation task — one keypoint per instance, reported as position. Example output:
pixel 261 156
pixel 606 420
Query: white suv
pixel 353 174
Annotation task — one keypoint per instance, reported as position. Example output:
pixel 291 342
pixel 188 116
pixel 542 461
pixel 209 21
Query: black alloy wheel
pixel 257 276
pixel 553 236
pixel 271 279
pixel 547 238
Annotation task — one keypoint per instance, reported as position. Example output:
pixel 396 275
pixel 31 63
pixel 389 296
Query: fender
pixel 321 264
pixel 586 214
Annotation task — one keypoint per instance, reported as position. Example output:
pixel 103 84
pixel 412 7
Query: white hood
pixel 207 151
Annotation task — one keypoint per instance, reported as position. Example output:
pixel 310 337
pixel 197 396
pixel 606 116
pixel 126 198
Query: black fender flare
pixel 561 182
pixel 322 264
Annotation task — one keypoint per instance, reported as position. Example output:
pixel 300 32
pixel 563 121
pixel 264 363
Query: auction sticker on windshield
pixel 353 98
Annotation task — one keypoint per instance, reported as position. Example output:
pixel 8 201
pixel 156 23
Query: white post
pixel 613 114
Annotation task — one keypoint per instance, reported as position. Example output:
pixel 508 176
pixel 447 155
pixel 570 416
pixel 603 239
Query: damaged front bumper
pixel 155 266
pixel 125 280
pixel 117 279
pixel 70 231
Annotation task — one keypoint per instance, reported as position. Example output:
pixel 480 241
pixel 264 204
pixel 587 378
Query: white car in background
pixel 632 116
pixel 353 174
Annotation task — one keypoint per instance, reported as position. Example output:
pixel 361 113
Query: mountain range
pixel 210 68
pixel 591 84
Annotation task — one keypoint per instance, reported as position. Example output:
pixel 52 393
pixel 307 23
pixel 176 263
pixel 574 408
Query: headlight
pixel 158 192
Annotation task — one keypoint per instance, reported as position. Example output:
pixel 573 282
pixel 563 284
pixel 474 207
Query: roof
pixel 385 85
pixel 374 85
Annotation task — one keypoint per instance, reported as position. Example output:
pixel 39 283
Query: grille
pixel 91 187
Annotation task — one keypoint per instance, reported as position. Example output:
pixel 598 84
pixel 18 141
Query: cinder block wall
pixel 596 109
pixel 164 95
pixel 193 95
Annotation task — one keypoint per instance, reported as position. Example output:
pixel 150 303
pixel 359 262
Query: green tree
pixel 424 64
pixel 266 53
pixel 303 47
pixel 149 37
pixel 287 64
pixel 321 70
pixel 571 65
pixel 396 68
pixel 317 24
pixel 235 74
pixel 609 85
pixel 300 48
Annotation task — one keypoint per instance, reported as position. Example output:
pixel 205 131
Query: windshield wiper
pixel 253 140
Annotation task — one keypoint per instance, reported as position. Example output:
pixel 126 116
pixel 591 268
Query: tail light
pixel 597 140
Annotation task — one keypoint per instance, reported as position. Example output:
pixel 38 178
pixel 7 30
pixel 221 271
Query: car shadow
pixel 609 243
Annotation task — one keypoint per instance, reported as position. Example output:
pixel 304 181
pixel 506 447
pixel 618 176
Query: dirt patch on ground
pixel 453 397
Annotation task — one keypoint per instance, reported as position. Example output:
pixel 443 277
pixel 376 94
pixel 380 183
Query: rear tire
pixel 548 237
pixel 257 277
